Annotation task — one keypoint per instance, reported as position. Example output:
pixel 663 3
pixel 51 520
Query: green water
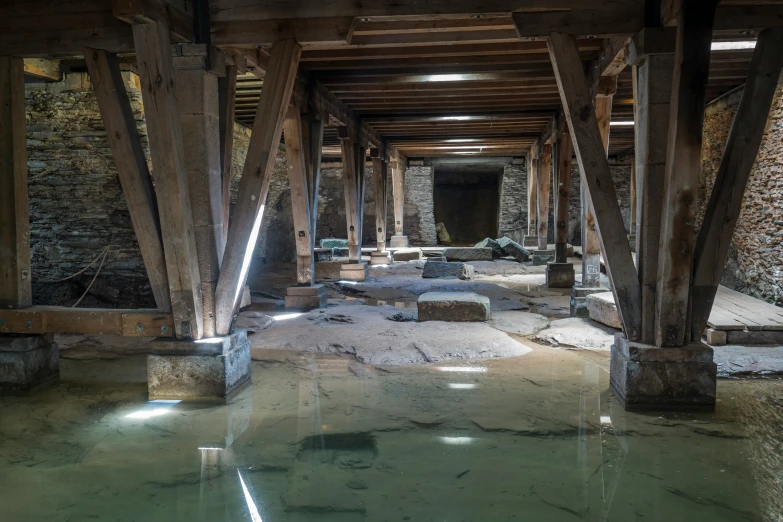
pixel 536 438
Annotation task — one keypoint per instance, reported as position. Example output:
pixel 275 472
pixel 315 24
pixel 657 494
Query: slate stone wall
pixel 513 202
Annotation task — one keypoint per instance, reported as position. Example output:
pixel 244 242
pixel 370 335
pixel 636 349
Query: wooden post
pixel 683 161
pixel 15 287
pixel 532 193
pixel 131 165
pixel 312 142
pixel 544 184
pixel 591 156
pixel 632 216
pixel 725 204
pixel 361 163
pixel 350 187
pixel 654 85
pixel 227 88
pixel 153 56
pixel 300 196
pixel 254 185
pixel 565 152
pixel 380 177
pixel 398 193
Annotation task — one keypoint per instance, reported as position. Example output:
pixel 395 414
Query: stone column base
pixel 305 297
pixel 579 299
pixel 28 362
pixel 646 377
pixel 398 242
pixel 380 258
pixel 354 271
pixel 530 241
pixel 542 257
pixel 560 275
pixel 212 369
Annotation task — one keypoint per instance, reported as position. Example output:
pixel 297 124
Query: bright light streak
pixel 149 412
pixel 465 151
pixel 462 140
pixel 213 449
pixel 348 282
pixel 466 369
pixel 457 441
pixel 459 386
pixel 251 245
pixel 728 46
pixel 255 516
pixel 606 419
pixel 284 317
pixel 445 77
pixel 456 118
pixel 621 123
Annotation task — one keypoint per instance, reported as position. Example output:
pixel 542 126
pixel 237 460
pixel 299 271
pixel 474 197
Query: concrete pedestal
pixel 27 361
pixel 530 241
pixel 305 297
pixel 398 242
pixel 579 299
pixel 560 275
pixel 453 306
pixel 380 258
pixel 542 257
pixel 354 271
pixel 210 369
pixel 648 377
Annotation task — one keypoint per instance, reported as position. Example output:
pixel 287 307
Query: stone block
pixel 305 297
pixel 380 258
pixel 514 249
pixel 322 254
pixel 440 258
pixel 530 241
pixel 332 242
pixel 542 257
pixel 497 250
pixel 354 271
pixel 468 254
pixel 602 308
pixel 209 369
pixel 646 377
pixel 560 275
pixel 438 269
pixel 716 337
pixel 399 242
pixel 407 254
pixel 340 252
pixel 453 306
pixel 754 337
pixel 579 299
pixel 27 361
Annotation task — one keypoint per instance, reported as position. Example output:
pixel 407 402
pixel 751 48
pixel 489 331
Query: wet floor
pixel 325 438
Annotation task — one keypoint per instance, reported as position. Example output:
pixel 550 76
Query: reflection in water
pixel 324 438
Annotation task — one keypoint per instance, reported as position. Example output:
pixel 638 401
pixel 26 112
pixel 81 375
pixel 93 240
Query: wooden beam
pixel 43 69
pixel 380 176
pixel 532 191
pixel 361 170
pixel 15 287
pixel 591 156
pixel 565 153
pixel 605 20
pixel 350 184
pixel 300 197
pixel 725 204
pixel 681 183
pixel 227 87
pixel 333 30
pixel 312 144
pixel 58 319
pixel 153 56
pixel 398 193
pixel 544 184
pixel 254 185
pixel 135 12
pixel 131 165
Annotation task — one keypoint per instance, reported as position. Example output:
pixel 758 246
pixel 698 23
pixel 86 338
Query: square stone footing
pixel 560 275
pixel 354 271
pixel 398 242
pixel 206 370
pixel 579 299
pixel 305 297
pixel 648 377
pixel 542 257
pixel 453 306
pixel 530 241
pixel 380 258
pixel 27 362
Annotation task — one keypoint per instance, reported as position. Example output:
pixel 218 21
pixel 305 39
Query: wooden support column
pixel 544 184
pixel 15 287
pixel 380 178
pixel 300 196
pixel 350 186
pixel 227 88
pixel 532 193
pixel 153 56
pixel 725 204
pixel 131 165
pixel 591 156
pixel 312 143
pixel 398 192
pixel 254 185
pixel 654 67
pixel 361 164
pixel 632 217
pixel 683 161
pixel 565 152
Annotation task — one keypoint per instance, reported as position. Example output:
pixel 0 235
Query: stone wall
pixel 756 256
pixel 419 222
pixel 513 202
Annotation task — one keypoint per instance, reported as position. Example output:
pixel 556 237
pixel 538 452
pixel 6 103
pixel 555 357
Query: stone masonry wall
pixel 419 222
pixel 513 202
pixel 756 256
